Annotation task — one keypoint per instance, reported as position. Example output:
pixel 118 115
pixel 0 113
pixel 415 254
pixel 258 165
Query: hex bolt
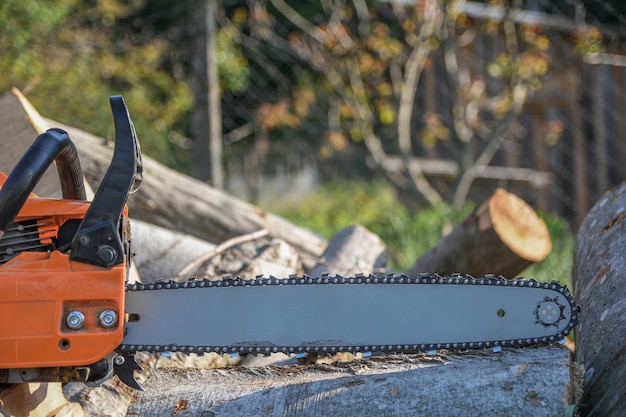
pixel 107 318
pixel 75 319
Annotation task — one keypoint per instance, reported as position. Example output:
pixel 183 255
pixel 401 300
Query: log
pixel 37 400
pixel 160 253
pixel 599 284
pixel 110 399
pixel 502 236
pixel 247 257
pixel 351 251
pixel 515 382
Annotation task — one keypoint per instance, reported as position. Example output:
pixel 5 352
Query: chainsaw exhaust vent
pixel 26 236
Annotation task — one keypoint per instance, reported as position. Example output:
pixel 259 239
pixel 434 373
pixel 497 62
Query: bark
pixel 600 287
pixel 514 382
pixel 503 236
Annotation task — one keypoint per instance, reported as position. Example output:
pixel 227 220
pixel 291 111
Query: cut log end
pixel 518 226
pixel 503 236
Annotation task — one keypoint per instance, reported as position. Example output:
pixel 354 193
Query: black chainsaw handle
pixel 52 145
pixel 98 240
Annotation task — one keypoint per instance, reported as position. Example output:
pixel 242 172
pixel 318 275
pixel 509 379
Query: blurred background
pixel 399 115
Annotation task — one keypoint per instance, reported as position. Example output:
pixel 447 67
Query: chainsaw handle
pixel 52 145
pixel 98 240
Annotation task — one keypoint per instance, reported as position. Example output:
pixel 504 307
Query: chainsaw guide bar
pixel 330 314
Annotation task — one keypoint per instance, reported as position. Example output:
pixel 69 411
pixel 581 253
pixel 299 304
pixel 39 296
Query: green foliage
pixel 68 57
pixel 27 20
pixel 376 206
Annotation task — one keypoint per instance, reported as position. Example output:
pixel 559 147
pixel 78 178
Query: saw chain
pixel 548 321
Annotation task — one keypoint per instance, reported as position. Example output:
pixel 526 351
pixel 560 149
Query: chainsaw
pixel 68 312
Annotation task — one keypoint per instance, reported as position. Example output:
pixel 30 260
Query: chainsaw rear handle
pixel 53 145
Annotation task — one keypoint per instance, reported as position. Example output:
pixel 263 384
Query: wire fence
pixel 564 148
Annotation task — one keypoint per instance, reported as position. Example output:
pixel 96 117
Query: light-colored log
pixel 160 253
pixel 600 286
pixel 247 259
pixel 167 198
pixel 518 382
pixel 502 236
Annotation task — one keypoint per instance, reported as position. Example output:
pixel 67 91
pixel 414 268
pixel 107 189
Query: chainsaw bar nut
pixel 107 318
pixel 107 255
pixel 75 320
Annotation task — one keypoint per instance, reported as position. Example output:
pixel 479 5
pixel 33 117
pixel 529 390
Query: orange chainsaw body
pixel 64 262
pixel 39 289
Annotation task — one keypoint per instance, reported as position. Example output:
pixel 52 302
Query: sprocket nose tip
pixel 549 312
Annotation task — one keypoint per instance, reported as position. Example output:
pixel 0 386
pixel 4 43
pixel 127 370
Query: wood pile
pixel 230 236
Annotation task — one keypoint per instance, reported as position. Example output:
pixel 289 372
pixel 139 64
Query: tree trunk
pixel 206 115
pixel 215 97
pixel 503 236
pixel 199 122
pixel 600 287
pixel 515 382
